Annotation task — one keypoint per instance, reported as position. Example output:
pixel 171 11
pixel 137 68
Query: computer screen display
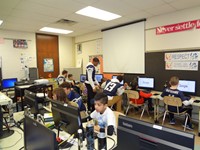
pixel 82 78
pixel 144 82
pixel 98 77
pixel 37 136
pixel 68 117
pixel 8 83
pixel 187 86
pixel 148 136
pixel 115 76
pixel 31 102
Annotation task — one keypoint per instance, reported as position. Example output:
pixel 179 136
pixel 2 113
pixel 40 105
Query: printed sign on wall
pixel 48 65
pixel 182 61
pixel 18 43
pixel 182 56
pixel 192 66
pixel 178 27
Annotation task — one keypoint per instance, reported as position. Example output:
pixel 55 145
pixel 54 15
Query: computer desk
pixel 21 88
pixel 157 114
pixel 63 135
pixel 5 100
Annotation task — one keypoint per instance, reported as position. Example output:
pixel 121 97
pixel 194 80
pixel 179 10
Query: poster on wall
pixel 18 43
pixel 183 56
pixel 182 61
pixel 99 68
pixel 189 66
pixel 48 65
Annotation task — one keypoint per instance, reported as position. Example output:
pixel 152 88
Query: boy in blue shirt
pixel 173 91
pixel 72 95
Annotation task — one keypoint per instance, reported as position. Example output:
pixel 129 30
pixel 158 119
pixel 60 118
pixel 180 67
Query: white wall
pixel 172 41
pixel 11 63
pixel 179 40
pixel 66 52
pixel 91 45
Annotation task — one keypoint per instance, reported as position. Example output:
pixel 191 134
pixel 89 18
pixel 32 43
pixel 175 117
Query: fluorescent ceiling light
pixel 97 13
pixel 55 30
pixel 1 21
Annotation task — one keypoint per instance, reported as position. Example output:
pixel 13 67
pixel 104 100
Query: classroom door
pixel 47 55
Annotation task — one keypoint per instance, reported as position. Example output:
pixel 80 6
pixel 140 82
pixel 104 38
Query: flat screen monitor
pixel 8 83
pixel 146 83
pixel 115 77
pixel 31 102
pixel 98 77
pixel 34 103
pixel 82 78
pixel 68 117
pixel 37 136
pixel 187 86
pixel 147 136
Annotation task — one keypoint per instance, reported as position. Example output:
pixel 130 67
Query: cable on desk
pixel 15 142
pixel 113 144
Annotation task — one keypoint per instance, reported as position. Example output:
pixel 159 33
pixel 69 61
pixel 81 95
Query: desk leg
pixel 22 103
pixel 156 111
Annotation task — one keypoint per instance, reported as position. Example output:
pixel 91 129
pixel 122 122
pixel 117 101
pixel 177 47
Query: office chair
pixel 176 102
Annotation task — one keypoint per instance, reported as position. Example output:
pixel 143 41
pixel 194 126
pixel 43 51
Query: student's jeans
pixel 90 97
pixel 188 109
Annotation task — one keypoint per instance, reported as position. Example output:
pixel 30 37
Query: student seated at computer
pixel 103 114
pixel 71 80
pixel 173 91
pixel 62 77
pixel 73 95
pixel 114 88
pixel 103 83
pixel 142 95
pixel 59 95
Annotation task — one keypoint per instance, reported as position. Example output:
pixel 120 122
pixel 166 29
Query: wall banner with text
pixel 183 56
pixel 178 27
pixel 189 66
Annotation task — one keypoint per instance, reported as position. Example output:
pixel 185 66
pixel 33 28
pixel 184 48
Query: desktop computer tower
pixel 33 73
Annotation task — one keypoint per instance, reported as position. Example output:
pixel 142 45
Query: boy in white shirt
pixel 103 114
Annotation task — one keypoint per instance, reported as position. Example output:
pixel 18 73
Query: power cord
pixel 15 142
pixel 113 142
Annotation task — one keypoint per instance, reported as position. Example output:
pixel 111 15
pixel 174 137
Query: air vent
pixel 67 22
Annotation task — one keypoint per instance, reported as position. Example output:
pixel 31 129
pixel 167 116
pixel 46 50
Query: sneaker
pixel 188 126
pixel 172 121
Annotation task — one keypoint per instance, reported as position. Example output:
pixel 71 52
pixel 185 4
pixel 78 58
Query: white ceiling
pixel 31 15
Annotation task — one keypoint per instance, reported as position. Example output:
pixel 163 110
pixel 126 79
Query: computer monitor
pixel 148 136
pixel 82 78
pixel 67 117
pixel 37 136
pixel 98 77
pixel 35 103
pixel 146 83
pixel 187 86
pixel 8 83
pixel 115 76
pixel 31 102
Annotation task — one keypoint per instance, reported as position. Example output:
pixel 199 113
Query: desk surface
pixel 63 135
pixel 4 100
